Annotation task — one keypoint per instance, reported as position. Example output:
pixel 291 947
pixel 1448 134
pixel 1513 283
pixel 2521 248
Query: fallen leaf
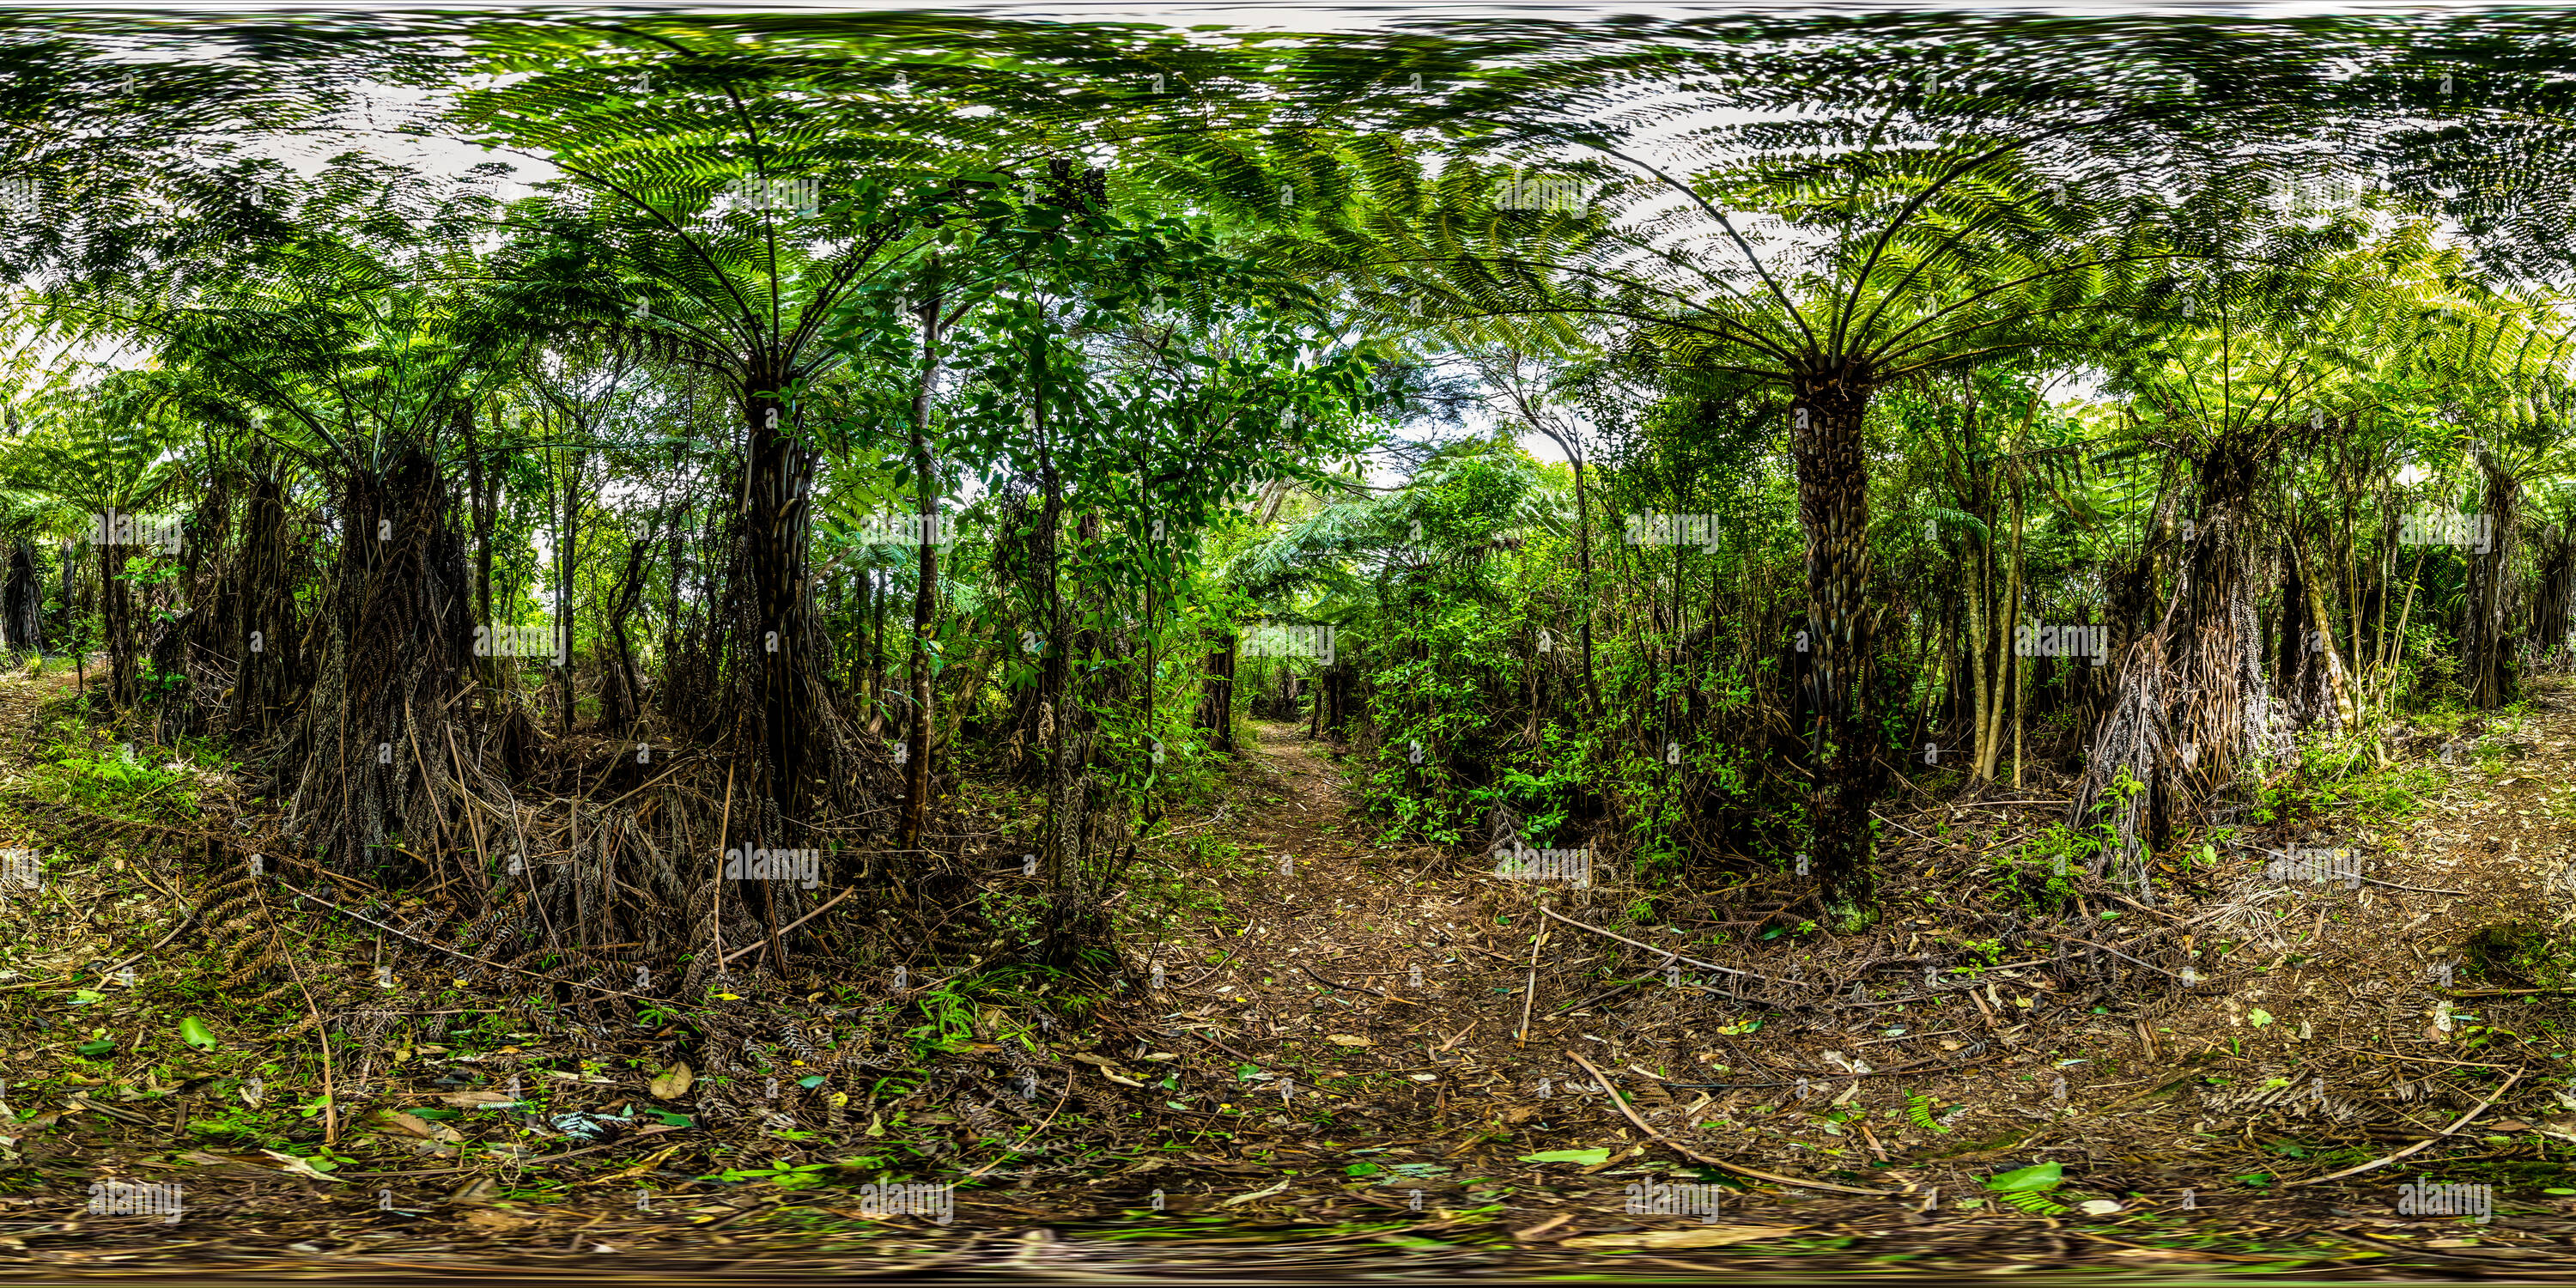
pixel 1587 1157
pixel 477 1099
pixel 674 1082
pixel 2039 1176
pixel 1707 1236
pixel 494 1220
pixel 1256 1194
pixel 294 1166
pixel 1346 1040
pixel 403 1122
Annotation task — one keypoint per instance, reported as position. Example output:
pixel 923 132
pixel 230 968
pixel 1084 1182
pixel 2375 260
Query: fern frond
pixel 2034 1202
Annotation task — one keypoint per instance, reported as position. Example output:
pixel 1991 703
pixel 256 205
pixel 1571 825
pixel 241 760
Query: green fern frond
pixel 1918 1106
pixel 2034 1202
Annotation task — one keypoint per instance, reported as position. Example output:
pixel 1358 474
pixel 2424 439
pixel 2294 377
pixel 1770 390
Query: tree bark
pixel 1833 511
pixel 778 491
pixel 22 601
pixel 925 590
pixel 2493 678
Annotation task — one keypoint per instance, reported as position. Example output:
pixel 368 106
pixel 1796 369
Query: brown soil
pixel 1399 1149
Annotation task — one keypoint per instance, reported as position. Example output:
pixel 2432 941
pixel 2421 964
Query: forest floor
pixel 1366 1059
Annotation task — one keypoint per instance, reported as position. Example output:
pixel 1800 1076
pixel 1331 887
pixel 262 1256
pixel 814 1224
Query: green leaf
pixel 2042 1176
pixel 1363 1169
pixel 810 1083
pixel 193 1032
pixel 97 1047
pixel 1587 1157
pixel 671 1119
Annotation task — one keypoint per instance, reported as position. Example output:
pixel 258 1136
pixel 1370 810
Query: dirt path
pixel 1356 1010
pixel 2291 1015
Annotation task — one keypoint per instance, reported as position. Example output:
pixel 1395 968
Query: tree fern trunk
pixel 2492 678
pixel 1833 511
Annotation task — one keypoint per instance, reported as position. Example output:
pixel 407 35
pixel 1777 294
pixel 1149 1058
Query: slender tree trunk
pixel 481 506
pixel 564 555
pixel 2007 618
pixel 1583 551
pixel 2321 649
pixel 925 590
pixel 22 600
pixel 2492 678
pixel 1833 510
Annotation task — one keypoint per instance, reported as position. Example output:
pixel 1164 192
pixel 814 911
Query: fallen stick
pixel 1219 1045
pixel 1668 953
pixel 1695 1156
pixel 1531 998
pixel 321 1031
pixel 1328 982
pixel 1033 1132
pixel 2410 1150
pixel 2417 889
pixel 728 960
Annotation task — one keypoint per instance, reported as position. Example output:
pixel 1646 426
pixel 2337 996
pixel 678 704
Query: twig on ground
pixel 2417 889
pixel 1531 999
pixel 1694 1155
pixel 2452 1130
pixel 1666 952
pixel 728 961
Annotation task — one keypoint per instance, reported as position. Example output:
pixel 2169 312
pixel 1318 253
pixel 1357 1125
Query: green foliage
pixel 2044 870
pixel 2027 1188
pixel 121 780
